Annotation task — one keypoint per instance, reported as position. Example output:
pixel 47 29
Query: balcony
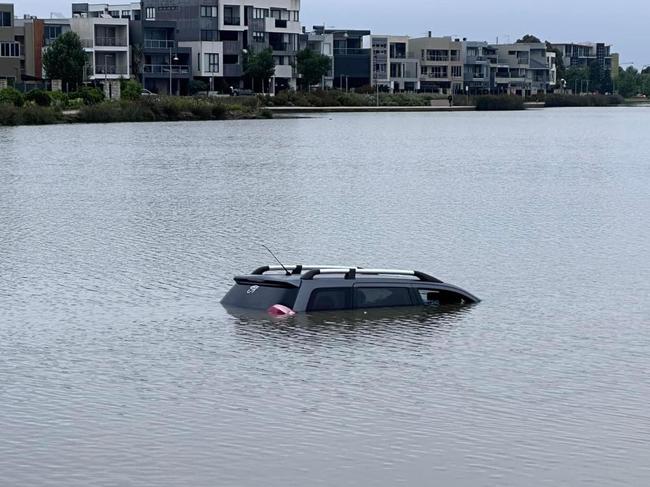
pixel 110 42
pixel 159 44
pixel 231 20
pixel 281 46
pixel 166 69
pixel 350 52
pixel 281 24
pixel 232 47
pixel 109 69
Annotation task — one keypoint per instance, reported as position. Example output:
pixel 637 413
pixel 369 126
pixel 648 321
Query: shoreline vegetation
pixel 88 106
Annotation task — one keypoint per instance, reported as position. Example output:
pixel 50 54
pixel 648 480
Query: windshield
pixel 258 296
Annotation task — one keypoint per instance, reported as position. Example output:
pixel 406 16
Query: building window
pixel 198 61
pixel 114 13
pixel 136 15
pixel 208 11
pixel 150 13
pixel 260 13
pixel 126 14
pixel 209 35
pixel 438 71
pixel 258 36
pixel 5 19
pixel 231 15
pixel 212 63
pixel 456 71
pixel 295 15
pixel 51 32
pixel 9 49
pixel 437 55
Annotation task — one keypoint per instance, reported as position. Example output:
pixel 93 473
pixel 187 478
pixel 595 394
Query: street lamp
pixel 171 61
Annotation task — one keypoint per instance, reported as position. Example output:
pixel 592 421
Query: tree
pixel 529 39
pixel 131 90
pixel 576 78
pixel 629 82
pixel 65 60
pixel 137 59
pixel 260 65
pixel 312 66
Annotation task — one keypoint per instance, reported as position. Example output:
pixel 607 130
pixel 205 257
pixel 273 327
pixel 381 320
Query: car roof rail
pixel 295 269
pixel 353 272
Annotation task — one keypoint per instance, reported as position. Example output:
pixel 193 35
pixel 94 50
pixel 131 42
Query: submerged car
pixel 286 290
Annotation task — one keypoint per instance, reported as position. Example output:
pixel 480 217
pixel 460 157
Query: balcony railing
pixel 231 20
pixel 110 42
pixel 281 46
pixel 166 68
pixel 106 69
pixel 159 44
pixel 349 52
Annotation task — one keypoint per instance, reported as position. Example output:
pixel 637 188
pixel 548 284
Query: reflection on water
pixel 118 365
pixel 401 324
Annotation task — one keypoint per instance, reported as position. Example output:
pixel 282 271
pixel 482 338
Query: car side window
pixel 329 299
pixel 382 297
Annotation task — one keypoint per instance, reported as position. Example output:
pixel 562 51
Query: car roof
pixel 294 275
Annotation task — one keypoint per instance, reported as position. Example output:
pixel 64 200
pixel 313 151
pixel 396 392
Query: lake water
pixel 118 366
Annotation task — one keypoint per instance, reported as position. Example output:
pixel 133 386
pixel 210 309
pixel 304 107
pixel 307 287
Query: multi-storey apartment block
pixel 11 55
pixel 586 53
pixel 106 42
pixel 129 11
pixel 37 36
pixel 441 66
pixel 350 60
pixel 523 69
pixel 391 67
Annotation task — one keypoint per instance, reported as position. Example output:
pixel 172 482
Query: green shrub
pixel 561 100
pixel 130 90
pixel 10 115
pixel 219 112
pixel 197 86
pixel 12 96
pixel 58 99
pixel 499 102
pixel 201 110
pixel 40 97
pixel 88 94
pixel 40 115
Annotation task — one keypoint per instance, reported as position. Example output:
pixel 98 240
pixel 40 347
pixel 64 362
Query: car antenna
pixel 278 260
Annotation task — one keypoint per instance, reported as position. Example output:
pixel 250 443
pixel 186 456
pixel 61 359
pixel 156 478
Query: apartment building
pixel 323 44
pixel 479 60
pixel 524 69
pixel 106 43
pixel 350 60
pixel 441 66
pixel 37 36
pixel 11 55
pixel 585 53
pixel 219 34
pixel 391 67
pixel 129 11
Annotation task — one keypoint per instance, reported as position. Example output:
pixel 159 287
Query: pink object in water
pixel 280 310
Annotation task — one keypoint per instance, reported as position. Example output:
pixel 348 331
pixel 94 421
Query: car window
pixel 329 299
pixel 382 297
pixel 431 297
pixel 255 296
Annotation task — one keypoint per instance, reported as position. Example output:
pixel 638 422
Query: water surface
pixel 118 366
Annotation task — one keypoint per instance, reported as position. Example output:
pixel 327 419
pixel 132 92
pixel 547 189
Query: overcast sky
pixel 622 24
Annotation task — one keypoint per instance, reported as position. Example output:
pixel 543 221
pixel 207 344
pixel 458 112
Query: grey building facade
pixel 11 56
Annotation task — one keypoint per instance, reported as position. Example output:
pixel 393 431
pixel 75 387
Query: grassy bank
pixel 146 109
pixel 334 98
pixel 561 100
